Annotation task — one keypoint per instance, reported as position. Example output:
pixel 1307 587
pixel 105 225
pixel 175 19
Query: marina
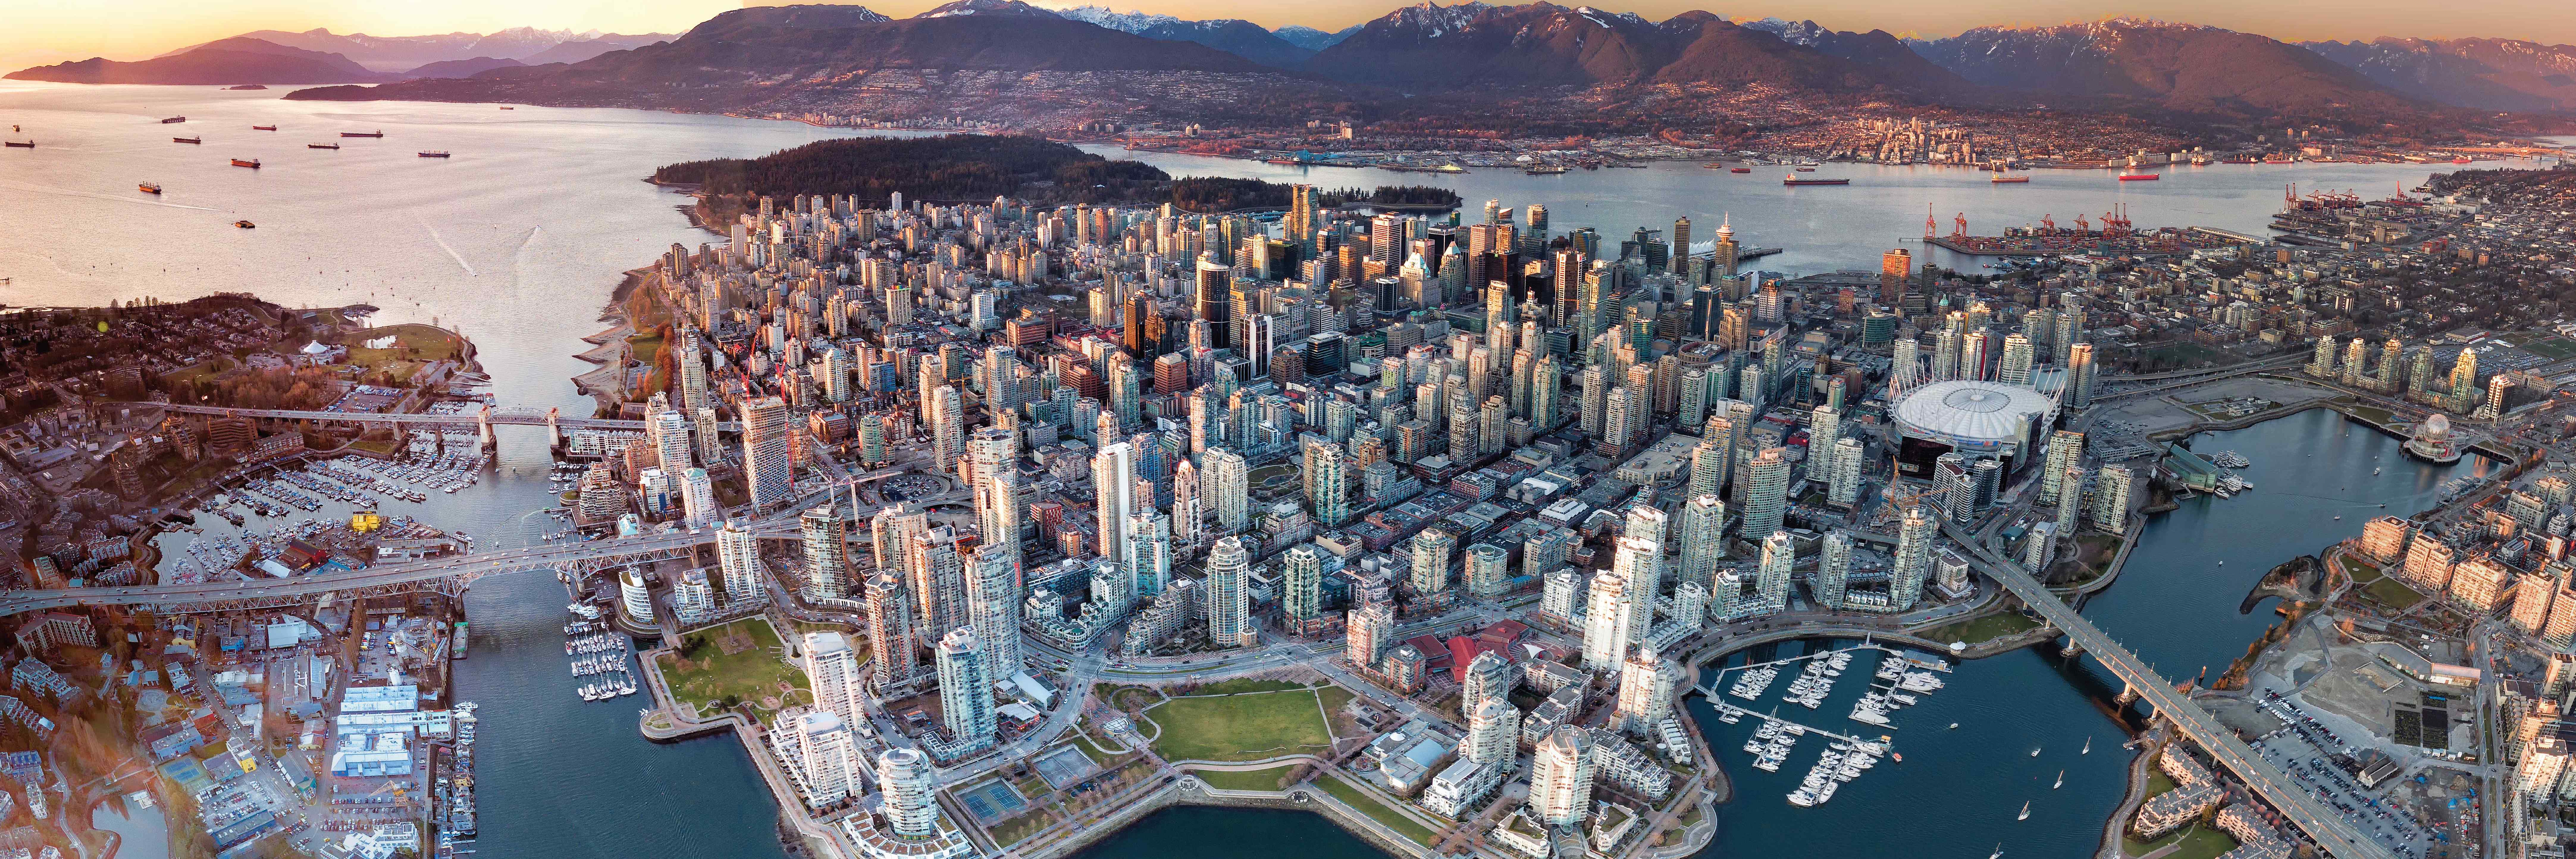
pixel 1899 679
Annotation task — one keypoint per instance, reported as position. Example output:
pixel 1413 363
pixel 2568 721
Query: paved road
pixel 2338 836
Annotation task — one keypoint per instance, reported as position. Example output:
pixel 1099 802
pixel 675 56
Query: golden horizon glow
pixel 48 31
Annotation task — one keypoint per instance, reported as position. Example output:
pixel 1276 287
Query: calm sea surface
pixel 519 238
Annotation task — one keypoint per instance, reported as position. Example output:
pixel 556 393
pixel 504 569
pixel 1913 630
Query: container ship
pixel 174 119
pixel 321 146
pixel 263 128
pixel 2001 179
pixel 362 134
pixel 252 163
pixel 1793 180
pixel 21 144
pixel 187 140
pixel 434 154
pixel 2140 177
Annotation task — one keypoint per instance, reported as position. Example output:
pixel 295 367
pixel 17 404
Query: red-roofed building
pixel 1463 651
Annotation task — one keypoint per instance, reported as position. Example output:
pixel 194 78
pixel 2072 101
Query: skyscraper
pixel 965 690
pixel 1561 777
pixel 1766 494
pixel 1430 570
pixel 1702 543
pixel 911 787
pixel 2065 448
pixel 1608 614
pixel 1113 480
pixel 1779 559
pixel 1371 632
pixel 765 452
pixel 829 757
pixel 1301 585
pixel 1328 483
pixel 1228 490
pixel 890 629
pixel 1488 569
pixel 1913 557
pixel 993 607
pixel 827 552
pixel 832 669
pixel 1645 690
pixel 1833 570
pixel 1228 598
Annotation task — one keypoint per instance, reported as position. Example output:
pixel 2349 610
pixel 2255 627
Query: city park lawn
pixel 1246 726
pixel 2190 842
pixel 2393 593
pixel 411 342
pixel 1261 779
pixel 1017 829
pixel 1365 804
pixel 740 660
pixel 1983 629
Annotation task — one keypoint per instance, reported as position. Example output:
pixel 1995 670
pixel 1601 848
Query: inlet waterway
pixel 520 237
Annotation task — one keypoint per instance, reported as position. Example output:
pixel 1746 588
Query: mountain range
pixel 1027 65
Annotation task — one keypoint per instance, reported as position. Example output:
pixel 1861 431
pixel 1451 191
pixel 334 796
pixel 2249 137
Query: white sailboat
pixel 2088 746
pixel 2061 780
pixel 2025 812
pixel 1999 852
pixel 2034 753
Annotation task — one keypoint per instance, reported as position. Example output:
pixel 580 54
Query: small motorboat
pixel 2034 753
pixel 244 224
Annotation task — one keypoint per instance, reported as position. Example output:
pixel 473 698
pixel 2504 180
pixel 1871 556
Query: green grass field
pixel 739 659
pixel 2197 842
pixel 1376 810
pixel 2552 347
pixel 1264 779
pixel 1016 829
pixel 2393 593
pixel 1231 687
pixel 1983 629
pixel 1240 727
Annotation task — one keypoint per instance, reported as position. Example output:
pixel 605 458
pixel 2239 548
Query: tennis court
pixel 1063 767
pixel 992 802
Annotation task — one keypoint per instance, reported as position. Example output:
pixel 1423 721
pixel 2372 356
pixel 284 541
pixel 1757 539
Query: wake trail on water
pixel 442 245
pixel 67 192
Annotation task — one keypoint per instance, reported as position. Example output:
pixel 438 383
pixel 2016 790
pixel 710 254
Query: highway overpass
pixel 466 420
pixel 463 568
pixel 2329 829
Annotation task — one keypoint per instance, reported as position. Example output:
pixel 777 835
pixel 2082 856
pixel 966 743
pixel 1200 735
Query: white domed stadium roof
pixel 1981 411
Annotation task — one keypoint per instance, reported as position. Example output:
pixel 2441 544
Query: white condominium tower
pixel 833 670
pixel 965 689
pixel 1113 479
pixel 1606 620
pixel 1229 599
pixel 911 786
pixel 1561 777
pixel 1228 494
pixel 1766 494
pixel 1645 689
pixel 1634 559
pixel 738 555
pixel 830 756
pixel 890 629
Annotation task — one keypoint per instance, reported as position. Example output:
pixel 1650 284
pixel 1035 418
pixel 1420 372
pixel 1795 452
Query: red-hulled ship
pixel 362 134
pixel 1792 179
pixel 252 163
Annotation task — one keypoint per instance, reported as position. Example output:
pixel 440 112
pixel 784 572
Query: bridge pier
pixel 554 429
pixel 2072 649
pixel 2128 693
pixel 483 424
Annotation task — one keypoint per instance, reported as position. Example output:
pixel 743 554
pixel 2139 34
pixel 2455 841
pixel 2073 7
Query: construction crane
pixel 2082 225
pixel 1930 225
pixel 2047 223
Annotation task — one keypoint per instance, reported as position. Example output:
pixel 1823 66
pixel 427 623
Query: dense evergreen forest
pixel 979 167
pixel 955 167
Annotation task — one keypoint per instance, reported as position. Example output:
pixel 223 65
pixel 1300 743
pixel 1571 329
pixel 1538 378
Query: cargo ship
pixel 263 128
pixel 244 224
pixel 174 119
pixel 1739 169
pixel 2140 177
pixel 148 187
pixel 1794 180
pixel 21 144
pixel 362 134
pixel 321 146
pixel 252 163
pixel 434 153
pixel 2001 179
pixel 187 140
